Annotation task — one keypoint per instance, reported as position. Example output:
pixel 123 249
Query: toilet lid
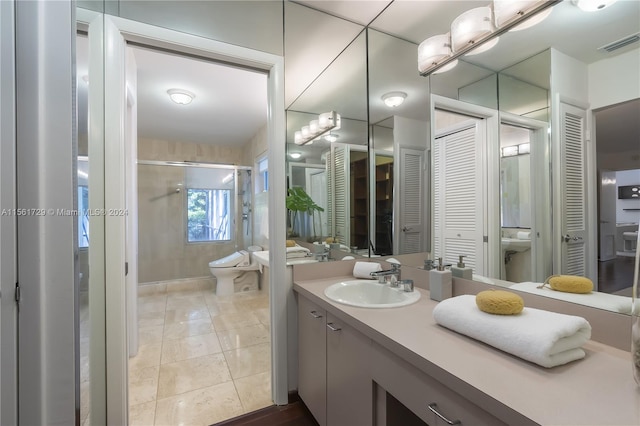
pixel 239 258
pixel 254 248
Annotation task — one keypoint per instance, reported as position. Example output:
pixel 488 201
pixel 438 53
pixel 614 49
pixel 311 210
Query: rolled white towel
pixel 610 302
pixel 364 269
pixel 545 338
pixel 523 235
pixel 393 260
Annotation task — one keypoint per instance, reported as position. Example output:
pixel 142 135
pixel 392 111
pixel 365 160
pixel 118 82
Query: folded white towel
pixel 542 337
pixel 364 269
pixel 297 249
pixel 610 302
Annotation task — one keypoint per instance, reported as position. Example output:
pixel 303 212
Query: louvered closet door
pixel 458 188
pixel 340 194
pixel 330 191
pixel 573 184
pixel 411 216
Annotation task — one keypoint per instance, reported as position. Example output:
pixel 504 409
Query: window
pixel 263 175
pixel 208 215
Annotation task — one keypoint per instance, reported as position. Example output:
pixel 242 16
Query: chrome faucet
pixel 393 274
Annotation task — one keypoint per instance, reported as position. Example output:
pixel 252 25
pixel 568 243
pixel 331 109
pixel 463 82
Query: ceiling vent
pixel 621 43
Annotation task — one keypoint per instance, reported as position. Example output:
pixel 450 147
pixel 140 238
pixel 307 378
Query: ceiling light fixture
pixel 180 96
pixel 295 155
pixel 593 5
pixel 330 137
pixel 477 30
pixel 324 124
pixel 394 99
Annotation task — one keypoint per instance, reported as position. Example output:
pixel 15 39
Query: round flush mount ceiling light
pixel 180 96
pixel 593 5
pixel 330 137
pixel 394 99
pixel 295 155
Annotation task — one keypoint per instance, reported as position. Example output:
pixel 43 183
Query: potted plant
pixel 299 201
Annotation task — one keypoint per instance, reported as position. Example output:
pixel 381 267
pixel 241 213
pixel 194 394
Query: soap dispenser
pixel 461 271
pixel 440 286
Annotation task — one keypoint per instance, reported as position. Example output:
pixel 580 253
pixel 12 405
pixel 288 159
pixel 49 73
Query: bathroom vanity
pixel 401 368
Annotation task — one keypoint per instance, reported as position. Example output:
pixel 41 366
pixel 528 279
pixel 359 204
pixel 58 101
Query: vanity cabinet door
pixel 349 385
pixel 312 358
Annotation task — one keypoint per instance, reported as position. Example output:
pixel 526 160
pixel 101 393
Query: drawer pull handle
pixel 434 409
pixel 315 314
pixel 332 328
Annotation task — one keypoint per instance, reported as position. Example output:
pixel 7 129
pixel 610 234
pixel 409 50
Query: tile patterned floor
pixel 202 358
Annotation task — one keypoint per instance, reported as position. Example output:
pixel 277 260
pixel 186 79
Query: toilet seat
pixel 237 259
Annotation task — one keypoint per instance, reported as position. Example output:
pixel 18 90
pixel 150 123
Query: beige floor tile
pixel 235 320
pixel 186 314
pixel 190 347
pixel 152 289
pixel 200 407
pixel 249 361
pixel 142 414
pixel 191 374
pixel 146 307
pixel 243 337
pixel 263 315
pixel 252 304
pixel 150 319
pixel 187 302
pixel 147 356
pixel 180 330
pixel 152 298
pixel 150 335
pixel 254 391
pixel 143 385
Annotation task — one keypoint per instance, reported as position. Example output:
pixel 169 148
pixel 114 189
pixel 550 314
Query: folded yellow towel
pixel 569 284
pixel 291 243
pixel 499 302
pixel 331 240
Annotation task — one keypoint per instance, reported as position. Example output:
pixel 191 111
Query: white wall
pixel 614 80
pixel 624 178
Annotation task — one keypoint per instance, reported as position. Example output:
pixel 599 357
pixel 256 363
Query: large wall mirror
pixel 527 191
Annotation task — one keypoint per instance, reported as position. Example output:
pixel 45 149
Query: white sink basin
pixel 370 294
pixel 514 244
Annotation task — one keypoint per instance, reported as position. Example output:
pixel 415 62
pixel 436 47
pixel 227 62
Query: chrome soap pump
pixel 440 286
pixel 461 270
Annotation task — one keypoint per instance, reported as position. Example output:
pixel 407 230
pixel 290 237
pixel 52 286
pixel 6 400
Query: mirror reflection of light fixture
pixel 593 5
pixel 432 51
pixel 449 66
pixel 534 20
pixel 394 99
pixel 180 96
pixel 317 128
pixel 475 28
pixel 295 155
pixel 470 27
pixel 330 137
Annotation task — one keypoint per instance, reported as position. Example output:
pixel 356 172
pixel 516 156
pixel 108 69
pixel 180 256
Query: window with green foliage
pixel 208 215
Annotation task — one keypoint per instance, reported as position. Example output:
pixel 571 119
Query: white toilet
pixel 227 269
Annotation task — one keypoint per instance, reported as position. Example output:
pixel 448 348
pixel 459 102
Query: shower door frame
pixel 273 66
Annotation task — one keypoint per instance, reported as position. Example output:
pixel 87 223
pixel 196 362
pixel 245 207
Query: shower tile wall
pixel 163 253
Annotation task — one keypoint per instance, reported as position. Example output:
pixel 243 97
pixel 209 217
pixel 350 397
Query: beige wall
pixel 163 253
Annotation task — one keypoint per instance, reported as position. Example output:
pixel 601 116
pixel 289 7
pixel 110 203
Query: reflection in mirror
pixel 340 188
pixel 398 138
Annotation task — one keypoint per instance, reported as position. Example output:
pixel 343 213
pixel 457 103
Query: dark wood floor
pixel 615 274
pixel 293 414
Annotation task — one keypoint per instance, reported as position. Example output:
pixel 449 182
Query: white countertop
pixel 597 390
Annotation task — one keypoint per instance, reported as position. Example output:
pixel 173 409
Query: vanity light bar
pixel 508 25
pixel 510 151
pixel 325 123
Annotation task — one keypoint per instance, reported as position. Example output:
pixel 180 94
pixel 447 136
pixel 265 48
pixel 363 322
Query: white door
pixel 410 227
pixel 607 226
pixel 458 188
pixel 572 244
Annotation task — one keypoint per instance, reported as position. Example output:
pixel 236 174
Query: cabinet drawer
pixel 312 353
pixel 417 391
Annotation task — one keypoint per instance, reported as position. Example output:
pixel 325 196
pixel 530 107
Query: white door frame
pixel 273 65
pixel 491 160
pixel 8 239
